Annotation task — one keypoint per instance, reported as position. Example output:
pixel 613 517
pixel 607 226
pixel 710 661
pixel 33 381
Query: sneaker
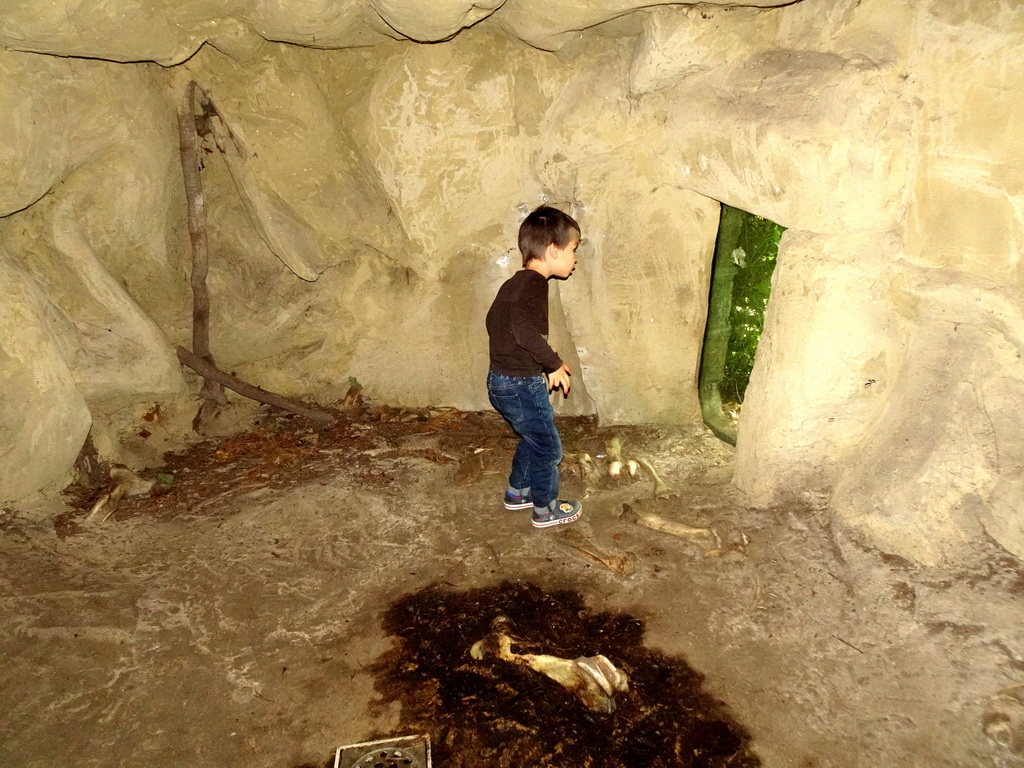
pixel 518 502
pixel 557 512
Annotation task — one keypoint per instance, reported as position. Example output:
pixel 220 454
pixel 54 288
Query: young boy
pixel 524 368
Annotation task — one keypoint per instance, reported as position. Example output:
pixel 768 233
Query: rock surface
pixel 247 616
pixel 369 212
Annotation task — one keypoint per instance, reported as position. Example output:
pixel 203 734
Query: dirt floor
pixel 234 615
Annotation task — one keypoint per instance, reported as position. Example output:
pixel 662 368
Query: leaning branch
pixel 211 373
pixel 200 359
pixel 212 393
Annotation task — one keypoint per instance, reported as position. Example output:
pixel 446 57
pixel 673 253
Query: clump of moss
pixel 755 252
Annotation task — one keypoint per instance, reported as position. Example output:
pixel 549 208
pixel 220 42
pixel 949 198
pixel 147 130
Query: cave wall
pixel 368 208
pixel 931 453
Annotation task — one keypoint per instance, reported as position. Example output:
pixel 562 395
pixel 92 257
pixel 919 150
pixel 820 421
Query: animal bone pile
pixel 498 711
pixel 617 467
pixel 592 679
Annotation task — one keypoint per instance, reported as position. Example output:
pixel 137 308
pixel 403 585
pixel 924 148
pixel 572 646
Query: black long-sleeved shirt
pixel 517 324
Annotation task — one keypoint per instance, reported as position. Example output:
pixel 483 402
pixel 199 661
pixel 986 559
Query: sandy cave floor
pixel 235 618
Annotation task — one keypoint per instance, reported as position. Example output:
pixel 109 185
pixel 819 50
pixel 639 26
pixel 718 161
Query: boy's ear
pixel 550 252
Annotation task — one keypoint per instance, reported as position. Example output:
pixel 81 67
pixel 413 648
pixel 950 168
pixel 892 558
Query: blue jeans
pixel 523 401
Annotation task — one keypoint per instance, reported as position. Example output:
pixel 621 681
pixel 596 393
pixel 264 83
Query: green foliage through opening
pixel 745 255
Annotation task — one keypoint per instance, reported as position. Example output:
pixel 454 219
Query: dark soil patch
pixel 493 713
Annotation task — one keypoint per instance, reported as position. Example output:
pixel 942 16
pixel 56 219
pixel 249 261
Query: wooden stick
pixel 211 373
pixel 200 359
pixel 189 145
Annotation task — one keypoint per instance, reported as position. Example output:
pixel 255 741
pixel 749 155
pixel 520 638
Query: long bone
pixel 593 679
pixel 661 489
pixel 613 447
pixel 655 522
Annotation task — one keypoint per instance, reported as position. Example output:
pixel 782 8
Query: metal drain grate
pixel 400 752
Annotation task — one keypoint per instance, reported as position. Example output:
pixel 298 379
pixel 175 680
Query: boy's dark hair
pixel 543 227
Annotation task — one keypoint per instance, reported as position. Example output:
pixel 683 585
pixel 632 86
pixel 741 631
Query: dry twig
pixel 200 359
pixel 212 392
pixel 212 373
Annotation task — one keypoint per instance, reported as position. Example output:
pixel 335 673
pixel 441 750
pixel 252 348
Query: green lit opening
pixel 741 275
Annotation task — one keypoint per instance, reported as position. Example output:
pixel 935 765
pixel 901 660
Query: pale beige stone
pixel 103 236
pixel 137 30
pixel 290 163
pixel 920 483
pixel 126 30
pixel 953 437
pixel 551 26
pixel 637 303
pixel 805 139
pixel 97 240
pixel 967 210
pixel 441 133
pixel 1001 516
pixel 43 416
pixel 316 23
pixel 33 160
pixel 1001 392
pixel 826 366
pixel 676 44
pixel 371 214
pixel 432 20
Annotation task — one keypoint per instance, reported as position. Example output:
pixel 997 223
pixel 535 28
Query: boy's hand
pixel 561 378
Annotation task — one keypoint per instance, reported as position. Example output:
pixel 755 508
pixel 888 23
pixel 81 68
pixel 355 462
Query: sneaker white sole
pixel 524 505
pixel 561 521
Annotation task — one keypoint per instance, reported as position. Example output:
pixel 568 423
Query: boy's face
pixel 563 260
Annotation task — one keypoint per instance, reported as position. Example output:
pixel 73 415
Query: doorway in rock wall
pixel 745 254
